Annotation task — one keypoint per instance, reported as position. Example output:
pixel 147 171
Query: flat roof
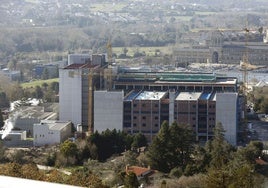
pixel 189 96
pixel 78 66
pixel 175 77
pixel 58 125
pixel 53 124
pixel 150 95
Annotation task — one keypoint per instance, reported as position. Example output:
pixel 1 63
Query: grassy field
pixel 108 7
pixel 35 83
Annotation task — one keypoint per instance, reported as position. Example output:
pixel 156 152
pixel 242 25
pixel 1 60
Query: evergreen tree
pixel 158 152
pixel 139 141
pixel 171 147
pixel 181 142
pixel 220 149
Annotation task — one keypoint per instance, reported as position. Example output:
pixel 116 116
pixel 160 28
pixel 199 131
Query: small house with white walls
pixel 50 132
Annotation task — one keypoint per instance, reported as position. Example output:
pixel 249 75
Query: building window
pixel 193 118
pixel 143 117
pixel 194 106
pixel 143 105
pixel 156 105
pixel 135 117
pixel 134 105
pixel 156 117
pixel 134 125
pixel 193 125
pixel 144 125
pixel 156 125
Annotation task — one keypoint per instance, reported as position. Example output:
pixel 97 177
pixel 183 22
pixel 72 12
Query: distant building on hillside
pixel 216 50
pixel 46 70
pixel 12 75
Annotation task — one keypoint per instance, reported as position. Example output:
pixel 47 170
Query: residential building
pixel 140 172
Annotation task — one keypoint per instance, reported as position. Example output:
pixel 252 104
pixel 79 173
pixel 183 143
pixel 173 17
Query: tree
pixel 139 141
pixel 54 86
pixel 12 65
pixel 45 74
pixel 38 92
pixel 45 85
pixel 220 150
pixel 171 148
pixel 131 180
pixel 158 152
pixel 68 149
pixel 130 158
pixel 182 140
pixel 2 123
pixel 4 101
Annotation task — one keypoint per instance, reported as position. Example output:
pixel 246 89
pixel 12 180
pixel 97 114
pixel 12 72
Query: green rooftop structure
pixel 187 77
pixel 163 81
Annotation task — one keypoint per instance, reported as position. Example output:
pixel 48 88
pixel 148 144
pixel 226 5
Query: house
pixel 140 172
pixel 49 132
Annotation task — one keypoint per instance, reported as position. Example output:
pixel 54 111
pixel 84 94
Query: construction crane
pixel 244 64
pixel 90 75
pixel 109 52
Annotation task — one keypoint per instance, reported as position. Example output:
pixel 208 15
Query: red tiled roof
pixel 77 66
pixel 261 162
pixel 138 170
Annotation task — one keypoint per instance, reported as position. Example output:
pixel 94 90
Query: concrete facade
pixel 77 83
pixel 51 132
pixel 226 108
pixel 108 110
pixel 199 110
pixel 78 58
pixel 70 99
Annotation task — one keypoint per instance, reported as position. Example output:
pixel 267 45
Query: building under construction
pixel 139 102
